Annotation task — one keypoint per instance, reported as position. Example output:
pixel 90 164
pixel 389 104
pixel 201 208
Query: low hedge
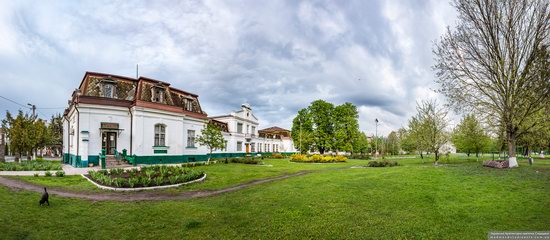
pixel 385 163
pixel 145 177
pixel 317 158
pixel 40 165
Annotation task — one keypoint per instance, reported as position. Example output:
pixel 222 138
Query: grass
pixel 458 200
pixel 219 175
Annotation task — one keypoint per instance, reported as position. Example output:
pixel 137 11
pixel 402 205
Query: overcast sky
pixel 276 55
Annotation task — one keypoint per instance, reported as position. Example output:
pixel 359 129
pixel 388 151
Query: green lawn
pixel 459 200
pixel 219 175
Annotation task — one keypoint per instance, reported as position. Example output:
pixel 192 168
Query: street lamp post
pixel 376 138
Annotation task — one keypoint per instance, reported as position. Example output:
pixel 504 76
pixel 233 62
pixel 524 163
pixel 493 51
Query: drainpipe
pixel 77 130
pixel 68 136
pixel 131 128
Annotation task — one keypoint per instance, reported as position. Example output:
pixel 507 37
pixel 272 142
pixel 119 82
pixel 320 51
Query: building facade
pixel 153 121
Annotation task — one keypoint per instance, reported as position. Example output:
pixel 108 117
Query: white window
pixel 253 130
pixel 190 138
pixel 239 128
pixel 259 147
pixel 253 147
pixel 239 146
pixel 160 135
pixel 108 90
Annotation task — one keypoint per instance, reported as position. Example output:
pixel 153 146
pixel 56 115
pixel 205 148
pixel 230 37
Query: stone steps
pixel 111 162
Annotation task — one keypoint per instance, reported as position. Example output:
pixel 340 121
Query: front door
pixel 247 147
pixel 109 142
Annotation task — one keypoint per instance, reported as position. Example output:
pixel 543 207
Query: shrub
pixel 145 181
pixel 298 157
pixel 150 173
pixel 159 180
pixel 147 176
pixel 173 179
pixel 277 156
pixel 317 158
pixel 36 174
pixel 116 171
pixel 119 182
pixel 340 158
pixel 133 181
pixel 59 173
pixel 31 166
pixel 48 174
pixel 385 163
pixel 249 160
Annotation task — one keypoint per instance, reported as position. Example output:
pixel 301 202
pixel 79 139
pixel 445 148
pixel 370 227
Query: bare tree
pixel 429 126
pixel 495 63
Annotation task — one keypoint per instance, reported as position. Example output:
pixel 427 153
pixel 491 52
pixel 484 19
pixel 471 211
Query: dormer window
pixel 108 87
pixel 158 95
pixel 108 90
pixel 188 103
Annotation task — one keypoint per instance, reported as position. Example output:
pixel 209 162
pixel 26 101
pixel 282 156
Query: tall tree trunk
pixel 436 152
pixel 512 149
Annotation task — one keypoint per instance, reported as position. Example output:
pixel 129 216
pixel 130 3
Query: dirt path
pixel 140 196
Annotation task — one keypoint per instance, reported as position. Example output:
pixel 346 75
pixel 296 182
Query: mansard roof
pixel 273 129
pixel 136 92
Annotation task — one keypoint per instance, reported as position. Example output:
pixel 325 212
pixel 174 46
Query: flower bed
pixel 385 163
pixel 317 158
pixel 30 166
pixel 496 164
pixel 144 177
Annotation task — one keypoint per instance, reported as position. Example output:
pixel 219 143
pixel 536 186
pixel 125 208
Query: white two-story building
pixel 155 122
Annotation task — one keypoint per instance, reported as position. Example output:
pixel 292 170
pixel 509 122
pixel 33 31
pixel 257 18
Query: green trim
pixel 160 151
pixel 191 147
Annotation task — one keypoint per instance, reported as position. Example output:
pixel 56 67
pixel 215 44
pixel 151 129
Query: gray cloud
pixel 276 55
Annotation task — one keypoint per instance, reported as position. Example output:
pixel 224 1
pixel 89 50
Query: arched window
pixel 160 135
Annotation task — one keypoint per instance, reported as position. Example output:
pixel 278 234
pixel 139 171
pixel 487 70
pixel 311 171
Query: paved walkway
pixel 140 196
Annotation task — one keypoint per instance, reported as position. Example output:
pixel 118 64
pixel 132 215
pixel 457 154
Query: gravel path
pixel 139 196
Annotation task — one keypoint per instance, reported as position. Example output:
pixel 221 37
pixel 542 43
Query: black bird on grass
pixel 45 198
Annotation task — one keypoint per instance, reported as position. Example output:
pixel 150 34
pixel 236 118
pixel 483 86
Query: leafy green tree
pixel 55 129
pixel 39 135
pixel 496 62
pixel 406 141
pixel 470 137
pixel 20 131
pixel 361 145
pixel 429 127
pixel 346 127
pixel 302 131
pixel 323 127
pixel 537 139
pixel 211 137
pixel 392 143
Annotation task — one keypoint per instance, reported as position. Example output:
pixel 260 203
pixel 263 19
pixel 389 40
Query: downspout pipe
pixel 68 136
pixel 131 128
pixel 77 130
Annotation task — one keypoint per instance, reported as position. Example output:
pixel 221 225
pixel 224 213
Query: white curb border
pixel 142 188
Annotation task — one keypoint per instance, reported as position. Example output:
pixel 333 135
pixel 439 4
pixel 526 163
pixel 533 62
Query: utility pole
pixel 33 107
